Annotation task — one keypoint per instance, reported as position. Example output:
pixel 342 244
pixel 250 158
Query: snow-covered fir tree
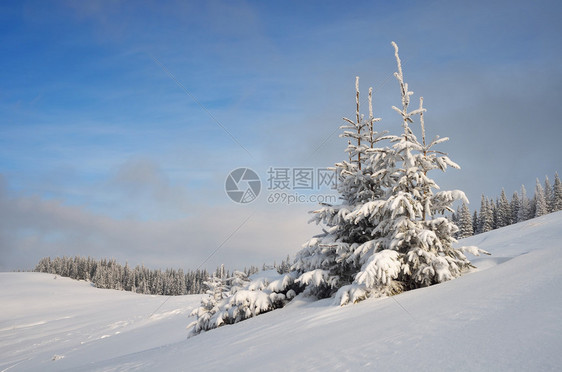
pixel 557 194
pixel 486 218
pixel 475 222
pixel 325 259
pixel 455 216
pixel 503 211
pixel 514 206
pixel 285 266
pixel 206 313
pixel 231 300
pixel 481 215
pixel 524 206
pixel 388 234
pixel 465 222
pixel 494 211
pixel 548 195
pixel 398 239
pixel 540 201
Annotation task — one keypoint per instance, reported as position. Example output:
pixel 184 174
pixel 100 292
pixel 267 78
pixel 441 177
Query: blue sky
pixel 103 153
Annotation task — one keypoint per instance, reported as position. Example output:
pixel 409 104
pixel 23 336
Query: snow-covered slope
pixel 54 324
pixel 504 316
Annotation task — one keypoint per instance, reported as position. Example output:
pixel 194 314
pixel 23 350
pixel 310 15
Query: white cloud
pixel 35 227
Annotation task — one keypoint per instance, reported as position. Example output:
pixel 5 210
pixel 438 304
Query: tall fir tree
pixel 393 237
pixel 412 245
pixel 326 257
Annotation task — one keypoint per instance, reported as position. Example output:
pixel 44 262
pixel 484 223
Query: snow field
pixel 504 316
pixel 54 324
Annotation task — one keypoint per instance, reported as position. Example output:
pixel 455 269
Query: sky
pixel 121 120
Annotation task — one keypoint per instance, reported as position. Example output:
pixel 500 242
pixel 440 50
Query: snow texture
pixel 504 316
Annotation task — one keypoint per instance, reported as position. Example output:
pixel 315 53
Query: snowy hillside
pixel 504 316
pixel 48 323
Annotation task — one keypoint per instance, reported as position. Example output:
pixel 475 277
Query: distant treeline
pixel 503 212
pixel 109 274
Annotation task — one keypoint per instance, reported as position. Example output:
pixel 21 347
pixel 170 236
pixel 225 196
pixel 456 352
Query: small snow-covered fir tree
pixel 455 216
pixel 475 222
pixel 465 222
pixel 514 205
pixel 524 206
pixel 481 215
pixel 557 194
pixel 220 289
pixel 217 291
pixel 494 212
pixel 231 300
pixel 540 201
pixel 503 211
pixel 548 194
pixel 486 218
